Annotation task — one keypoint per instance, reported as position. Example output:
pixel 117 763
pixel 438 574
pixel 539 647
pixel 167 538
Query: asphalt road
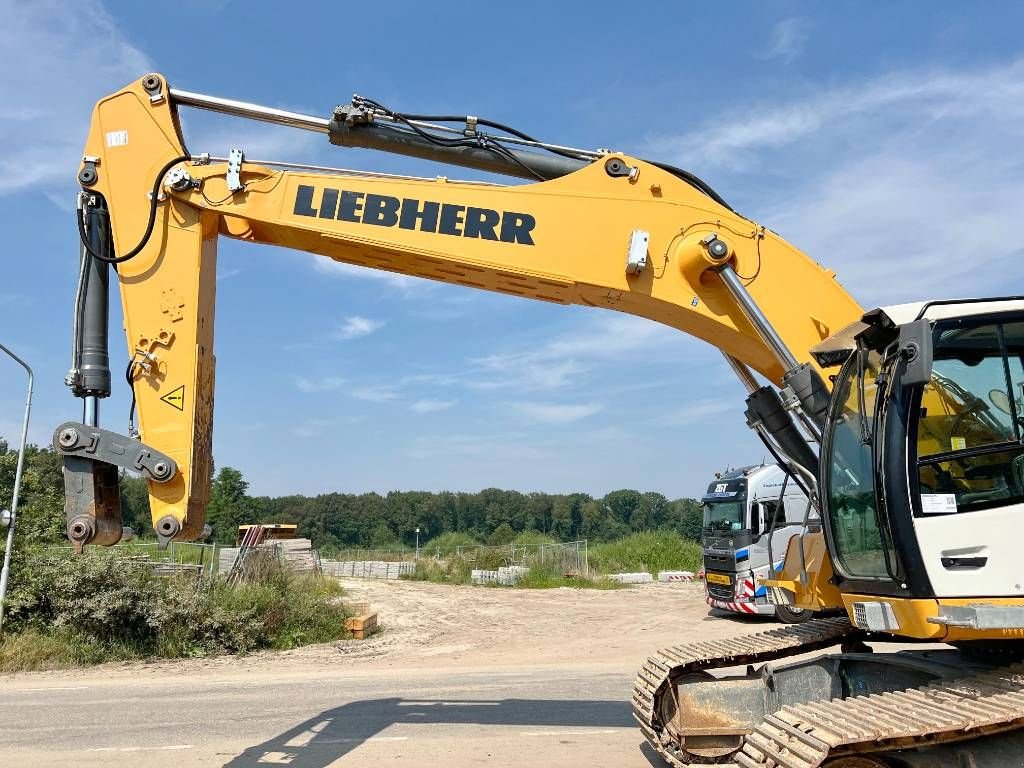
pixel 328 717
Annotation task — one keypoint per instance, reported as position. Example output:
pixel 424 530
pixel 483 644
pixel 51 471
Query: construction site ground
pixel 458 676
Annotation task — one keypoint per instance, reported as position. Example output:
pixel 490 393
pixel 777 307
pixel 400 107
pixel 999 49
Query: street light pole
pixel 10 517
pixel 417 543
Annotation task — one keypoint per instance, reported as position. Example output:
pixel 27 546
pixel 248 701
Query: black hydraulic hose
pixel 154 198
pixel 694 181
pixel 690 178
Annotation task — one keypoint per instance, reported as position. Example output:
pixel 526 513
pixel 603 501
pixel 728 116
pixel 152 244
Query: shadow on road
pixel 321 740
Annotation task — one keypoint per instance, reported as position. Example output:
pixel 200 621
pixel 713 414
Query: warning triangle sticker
pixel 176 398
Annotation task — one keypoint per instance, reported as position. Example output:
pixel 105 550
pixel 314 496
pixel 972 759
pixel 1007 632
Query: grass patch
pixel 454 570
pixel 650 551
pixel 544 577
pixel 32 650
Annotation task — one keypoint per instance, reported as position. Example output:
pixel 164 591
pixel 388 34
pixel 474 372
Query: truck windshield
pixel 724 516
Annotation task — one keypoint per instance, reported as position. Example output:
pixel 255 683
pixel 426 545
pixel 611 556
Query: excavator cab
pixel 921 461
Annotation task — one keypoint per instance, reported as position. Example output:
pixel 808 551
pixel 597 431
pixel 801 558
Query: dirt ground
pixel 428 626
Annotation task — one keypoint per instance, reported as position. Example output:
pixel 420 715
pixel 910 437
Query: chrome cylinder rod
pixel 91 411
pixel 742 373
pixel 249 110
pixel 757 318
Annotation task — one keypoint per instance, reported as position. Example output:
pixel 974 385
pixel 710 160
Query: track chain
pixel 660 670
pixel 805 736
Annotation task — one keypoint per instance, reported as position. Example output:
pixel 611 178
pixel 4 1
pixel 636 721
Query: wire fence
pixel 177 557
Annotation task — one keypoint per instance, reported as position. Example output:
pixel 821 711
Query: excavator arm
pixel 618 233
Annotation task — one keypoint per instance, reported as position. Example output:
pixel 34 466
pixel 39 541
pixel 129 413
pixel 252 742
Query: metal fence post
pixel 13 515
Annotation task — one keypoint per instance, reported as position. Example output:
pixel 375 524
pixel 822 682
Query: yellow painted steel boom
pixel 576 239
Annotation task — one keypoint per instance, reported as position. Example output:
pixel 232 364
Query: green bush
pixel 651 551
pixel 103 606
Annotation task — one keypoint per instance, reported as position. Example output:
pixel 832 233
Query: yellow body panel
pixel 912 617
pixel 816 592
pixel 577 255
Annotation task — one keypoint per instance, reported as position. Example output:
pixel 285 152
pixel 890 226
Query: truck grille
pixel 721 592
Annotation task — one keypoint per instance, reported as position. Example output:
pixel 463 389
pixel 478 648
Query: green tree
pixel 622 504
pixel 503 534
pixel 229 506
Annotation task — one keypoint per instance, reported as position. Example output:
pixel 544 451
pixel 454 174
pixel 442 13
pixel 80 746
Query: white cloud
pixel 404 283
pixel 560 361
pixel 356 327
pixel 432 406
pixel 907 185
pixel 557 413
pixel 788 39
pixel 375 394
pixel 853 116
pixel 66 56
pixel 697 411
pixel 326 384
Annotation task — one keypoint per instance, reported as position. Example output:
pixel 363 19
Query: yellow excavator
pixel 902 424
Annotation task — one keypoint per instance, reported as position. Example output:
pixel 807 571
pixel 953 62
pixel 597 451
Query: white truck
pixel 744 510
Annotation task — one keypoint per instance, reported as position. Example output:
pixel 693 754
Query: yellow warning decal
pixel 176 398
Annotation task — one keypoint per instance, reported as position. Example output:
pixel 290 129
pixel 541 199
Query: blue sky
pixel 886 143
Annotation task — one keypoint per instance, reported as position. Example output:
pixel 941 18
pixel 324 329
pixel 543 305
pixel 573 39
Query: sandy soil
pixel 428 626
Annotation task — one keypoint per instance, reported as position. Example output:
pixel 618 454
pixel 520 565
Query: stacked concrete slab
pixel 504 576
pixel 367 569
pixel 631 578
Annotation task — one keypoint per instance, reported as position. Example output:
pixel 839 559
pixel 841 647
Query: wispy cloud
pixel 788 38
pixel 556 413
pixel 376 394
pixel 356 327
pixel 895 105
pixel 560 361
pixel 697 411
pixel 74 49
pixel 326 384
pixel 403 283
pixel 432 406
pixel 914 173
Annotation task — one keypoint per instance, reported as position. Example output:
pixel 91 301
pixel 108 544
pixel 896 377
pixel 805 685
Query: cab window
pixel 969 424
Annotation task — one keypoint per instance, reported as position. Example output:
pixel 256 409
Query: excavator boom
pixel 611 232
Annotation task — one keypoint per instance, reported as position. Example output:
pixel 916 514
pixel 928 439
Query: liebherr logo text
pixel 424 215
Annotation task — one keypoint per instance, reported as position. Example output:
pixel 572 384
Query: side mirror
pixel 755 520
pixel 916 352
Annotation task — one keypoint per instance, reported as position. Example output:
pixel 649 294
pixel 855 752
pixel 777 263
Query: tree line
pixel 370 520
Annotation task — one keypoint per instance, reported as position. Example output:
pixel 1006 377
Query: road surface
pixel 460 676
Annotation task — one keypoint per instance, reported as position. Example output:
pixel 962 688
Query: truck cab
pixel 750 514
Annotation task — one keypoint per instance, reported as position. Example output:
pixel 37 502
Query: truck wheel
pixel 789 615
